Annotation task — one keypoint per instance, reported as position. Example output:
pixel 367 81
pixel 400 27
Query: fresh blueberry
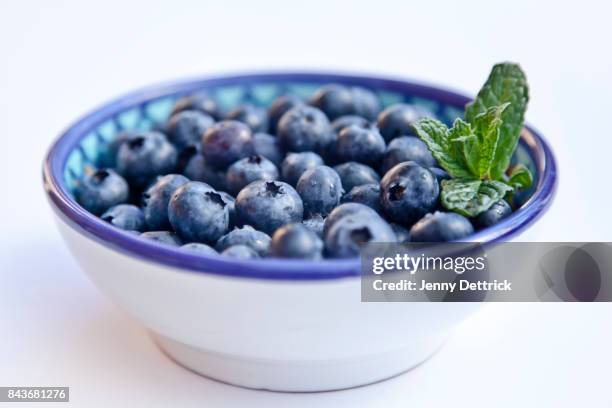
pixel 338 100
pixel 407 148
pixel 100 190
pixel 401 233
pixel 227 142
pixel 295 164
pixel 107 157
pixel 200 102
pixel 315 224
pixel 145 156
pixel 230 202
pixel 408 192
pixel 247 235
pixel 197 169
pixel 493 215
pixel 345 237
pixel 268 205
pixel 253 116
pixel 304 128
pixel 355 174
pixel 125 216
pixel 200 248
pixel 440 174
pixel 344 210
pixel 247 170
pixel 156 198
pixel 163 237
pixel 360 144
pixel 241 252
pixel 366 194
pixel 278 108
pixel 441 227
pixel 320 189
pixel 267 146
pixel 348 120
pixel 397 120
pixel 186 128
pixel 296 241
pixel 198 213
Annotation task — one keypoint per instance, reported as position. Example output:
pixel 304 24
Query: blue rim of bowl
pixel 279 269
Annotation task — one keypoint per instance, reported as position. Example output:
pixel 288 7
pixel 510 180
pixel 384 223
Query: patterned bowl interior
pixel 259 91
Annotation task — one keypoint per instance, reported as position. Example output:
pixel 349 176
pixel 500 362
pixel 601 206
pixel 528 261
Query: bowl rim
pixel 278 269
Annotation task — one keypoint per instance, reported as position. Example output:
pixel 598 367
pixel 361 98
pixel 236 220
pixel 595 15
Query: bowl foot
pixel 299 376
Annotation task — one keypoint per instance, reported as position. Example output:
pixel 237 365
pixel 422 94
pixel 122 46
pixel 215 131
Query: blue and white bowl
pixel 272 324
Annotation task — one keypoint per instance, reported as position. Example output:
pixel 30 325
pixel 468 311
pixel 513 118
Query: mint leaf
pixel 442 145
pixel 506 83
pixel 487 129
pixel 520 177
pixel 471 197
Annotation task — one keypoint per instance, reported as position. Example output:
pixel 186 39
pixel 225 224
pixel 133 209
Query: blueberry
pixel 125 216
pixel 278 108
pixel 197 169
pixel 200 102
pixel 363 145
pixel 493 215
pixel 303 129
pixel 348 120
pixel 441 227
pixel 156 198
pixel 230 202
pixel 296 241
pixel 247 170
pixel 401 233
pixel 267 205
pixel 407 148
pixel 440 174
pixel 366 194
pixel 100 190
pixel 163 237
pixel 408 192
pixel 295 164
pixel 199 248
pixel 345 237
pixel 227 142
pixel 315 224
pixel 338 100
pixel 241 252
pixel 253 116
pixel 397 120
pixel 107 157
pixel 144 156
pixel 355 174
pixel 247 235
pixel 186 128
pixel 365 102
pixel 267 146
pixel 344 210
pixel 198 213
pixel 320 189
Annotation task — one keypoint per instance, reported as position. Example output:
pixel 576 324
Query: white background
pixel 59 59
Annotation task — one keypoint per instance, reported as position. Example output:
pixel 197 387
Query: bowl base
pixel 299 376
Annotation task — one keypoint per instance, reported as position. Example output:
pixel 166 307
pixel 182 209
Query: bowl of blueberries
pixel 226 214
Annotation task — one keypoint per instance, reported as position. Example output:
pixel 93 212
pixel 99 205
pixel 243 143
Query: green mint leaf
pixel 506 83
pixel 520 177
pixel 480 153
pixel 435 134
pixel 471 197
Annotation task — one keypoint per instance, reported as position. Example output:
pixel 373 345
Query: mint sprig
pixel 476 152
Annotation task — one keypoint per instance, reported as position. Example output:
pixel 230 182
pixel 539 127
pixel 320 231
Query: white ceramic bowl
pixel 268 324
